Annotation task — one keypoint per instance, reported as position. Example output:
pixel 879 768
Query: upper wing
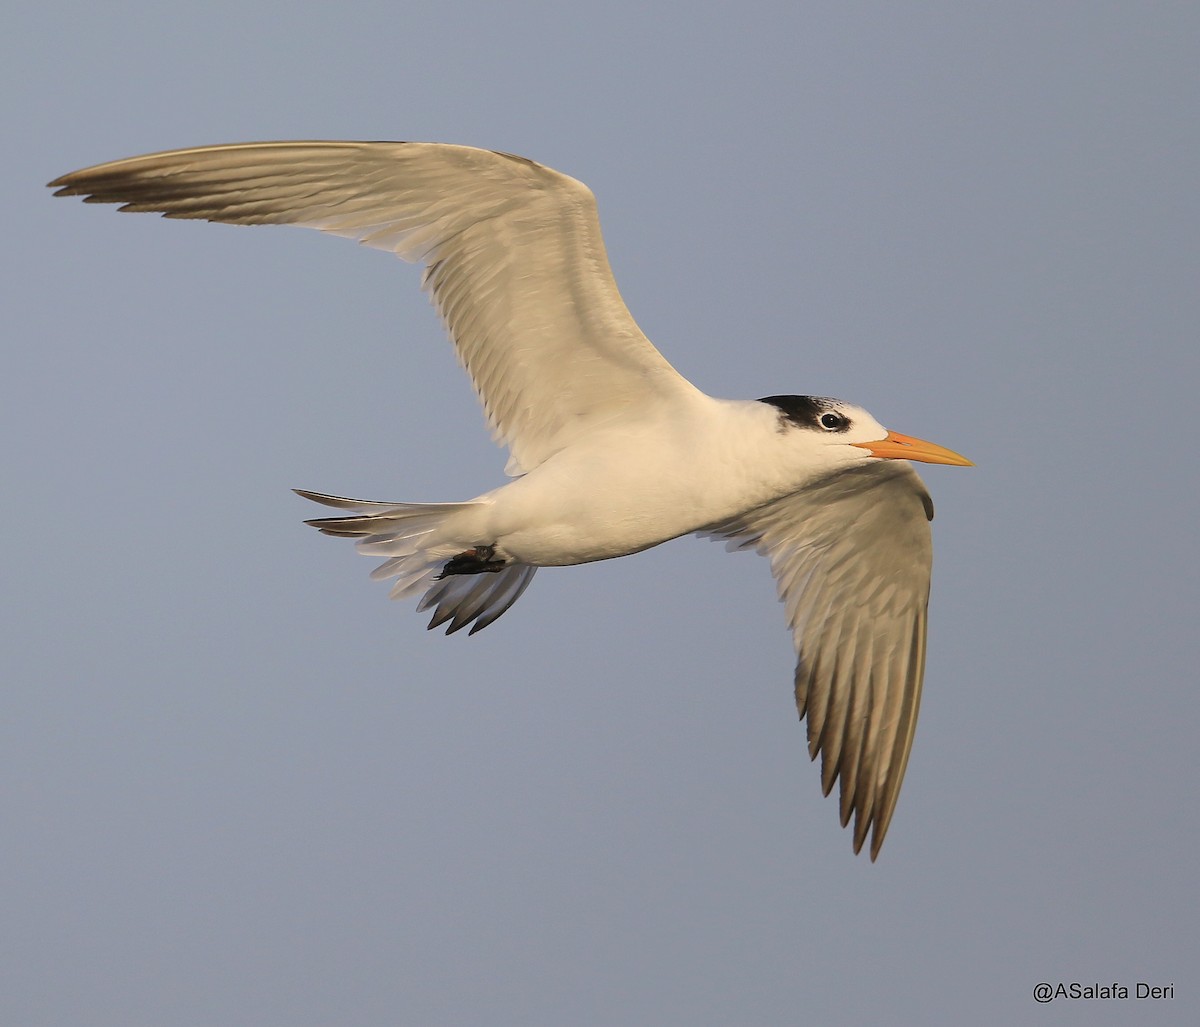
pixel 851 557
pixel 514 261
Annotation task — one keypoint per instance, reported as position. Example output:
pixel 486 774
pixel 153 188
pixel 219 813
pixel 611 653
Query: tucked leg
pixel 479 560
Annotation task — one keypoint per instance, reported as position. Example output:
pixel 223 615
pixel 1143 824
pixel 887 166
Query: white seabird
pixel 612 450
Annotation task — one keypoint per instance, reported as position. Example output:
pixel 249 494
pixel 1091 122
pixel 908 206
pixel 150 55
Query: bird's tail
pixel 459 582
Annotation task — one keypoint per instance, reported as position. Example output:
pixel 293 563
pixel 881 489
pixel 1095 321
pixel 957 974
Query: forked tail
pixel 459 581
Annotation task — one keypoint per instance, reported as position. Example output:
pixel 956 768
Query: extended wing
pixel 514 260
pixel 851 557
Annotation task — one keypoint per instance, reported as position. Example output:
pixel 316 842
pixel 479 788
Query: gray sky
pixel 242 788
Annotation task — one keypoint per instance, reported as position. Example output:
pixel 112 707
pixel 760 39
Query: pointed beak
pixel 905 447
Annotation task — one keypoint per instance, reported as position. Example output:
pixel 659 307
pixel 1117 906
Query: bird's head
pixel 842 434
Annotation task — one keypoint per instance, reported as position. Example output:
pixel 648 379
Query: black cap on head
pixel 802 411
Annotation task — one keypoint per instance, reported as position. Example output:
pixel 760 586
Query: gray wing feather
pixel 515 261
pixel 851 557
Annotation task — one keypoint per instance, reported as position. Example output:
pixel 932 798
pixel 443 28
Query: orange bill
pixel 905 447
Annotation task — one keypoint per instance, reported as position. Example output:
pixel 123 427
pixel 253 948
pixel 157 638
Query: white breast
pixel 645 480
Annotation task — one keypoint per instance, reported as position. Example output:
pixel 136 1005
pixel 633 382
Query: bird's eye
pixel 833 422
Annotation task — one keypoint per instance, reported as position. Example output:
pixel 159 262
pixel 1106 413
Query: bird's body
pixel 612 450
pixel 640 482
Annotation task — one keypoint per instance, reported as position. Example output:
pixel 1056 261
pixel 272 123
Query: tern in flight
pixel 611 450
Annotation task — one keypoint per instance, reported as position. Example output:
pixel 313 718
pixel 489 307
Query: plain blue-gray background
pixel 242 788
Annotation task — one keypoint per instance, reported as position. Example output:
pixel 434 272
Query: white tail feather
pixel 413 538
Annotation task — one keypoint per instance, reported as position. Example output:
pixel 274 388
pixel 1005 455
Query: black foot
pixel 473 561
